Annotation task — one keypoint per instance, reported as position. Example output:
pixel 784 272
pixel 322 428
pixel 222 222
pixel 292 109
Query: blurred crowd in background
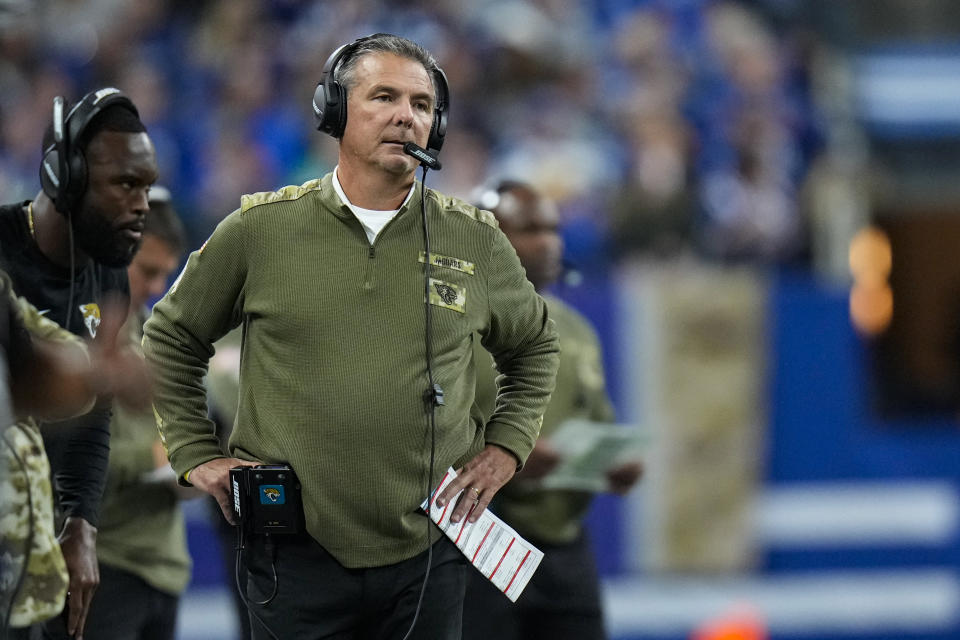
pixel 663 128
pixel 771 133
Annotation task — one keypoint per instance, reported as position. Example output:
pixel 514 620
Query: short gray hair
pixel 345 73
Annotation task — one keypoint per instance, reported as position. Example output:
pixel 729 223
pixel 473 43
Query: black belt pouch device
pixel 266 498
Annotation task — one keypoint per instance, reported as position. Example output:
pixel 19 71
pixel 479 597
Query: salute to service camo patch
pixel 448 295
pixel 436 260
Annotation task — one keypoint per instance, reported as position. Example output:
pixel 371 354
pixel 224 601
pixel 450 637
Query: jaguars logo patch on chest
pixel 91 317
pixel 448 295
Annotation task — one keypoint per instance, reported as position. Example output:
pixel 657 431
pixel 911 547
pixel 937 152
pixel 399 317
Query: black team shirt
pixel 78 449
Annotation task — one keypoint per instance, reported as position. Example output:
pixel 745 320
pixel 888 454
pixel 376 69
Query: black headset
pixel 330 98
pixel 63 170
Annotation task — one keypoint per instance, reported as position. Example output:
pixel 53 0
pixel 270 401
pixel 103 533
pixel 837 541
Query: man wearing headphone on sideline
pixel 359 294
pixel 66 253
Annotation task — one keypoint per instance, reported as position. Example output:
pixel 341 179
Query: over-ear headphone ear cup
pixel 330 98
pixel 329 109
pixel 50 180
pixel 438 130
pixel 320 109
pixel 77 163
pixel 341 110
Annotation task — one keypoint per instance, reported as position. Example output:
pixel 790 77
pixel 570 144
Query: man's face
pixel 108 223
pixel 531 223
pixel 390 103
pixel 149 270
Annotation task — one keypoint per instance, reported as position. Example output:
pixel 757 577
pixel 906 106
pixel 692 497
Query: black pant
pixel 561 601
pixel 124 607
pixel 317 598
pixel 227 538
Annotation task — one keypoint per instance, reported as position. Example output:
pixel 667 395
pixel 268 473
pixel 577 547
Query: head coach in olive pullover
pixel 354 290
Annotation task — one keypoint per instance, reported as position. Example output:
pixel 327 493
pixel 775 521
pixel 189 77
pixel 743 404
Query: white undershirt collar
pixel 373 220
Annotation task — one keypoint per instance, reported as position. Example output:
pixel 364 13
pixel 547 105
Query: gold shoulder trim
pixel 455 205
pixel 291 192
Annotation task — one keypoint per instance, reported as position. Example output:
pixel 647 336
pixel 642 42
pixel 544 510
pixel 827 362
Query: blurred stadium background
pixel 761 204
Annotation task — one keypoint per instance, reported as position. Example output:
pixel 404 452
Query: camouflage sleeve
pixel 78 448
pixel 29 551
pixel 43 328
pixel 21 326
pixel 26 516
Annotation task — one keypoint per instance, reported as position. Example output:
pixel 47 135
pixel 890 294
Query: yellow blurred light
pixel 871 307
pixel 870 256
